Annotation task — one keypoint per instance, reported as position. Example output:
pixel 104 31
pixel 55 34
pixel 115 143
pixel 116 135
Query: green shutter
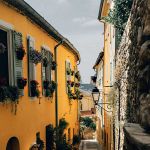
pixel 43 71
pixel 18 65
pixel 31 67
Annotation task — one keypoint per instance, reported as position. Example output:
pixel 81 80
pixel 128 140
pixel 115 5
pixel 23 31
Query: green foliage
pixel 50 139
pixel 88 123
pixel 61 143
pixel 10 92
pixel 40 143
pixel 76 139
pixel 93 126
pixel 119 15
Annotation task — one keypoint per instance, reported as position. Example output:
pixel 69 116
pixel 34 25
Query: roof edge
pixel 100 10
pixel 100 56
pixel 27 10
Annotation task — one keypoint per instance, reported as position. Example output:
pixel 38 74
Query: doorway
pixel 13 144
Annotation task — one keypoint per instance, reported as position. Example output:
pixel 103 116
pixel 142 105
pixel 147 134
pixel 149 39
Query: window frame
pixel 11 66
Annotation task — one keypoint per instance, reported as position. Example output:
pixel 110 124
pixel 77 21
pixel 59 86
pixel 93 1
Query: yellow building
pixel 105 77
pixel 29 48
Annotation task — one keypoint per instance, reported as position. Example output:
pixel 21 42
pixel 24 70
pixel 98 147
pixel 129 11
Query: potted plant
pixel 46 84
pixel 74 96
pixel 3 93
pixel 20 53
pixel 34 88
pixel 21 82
pixel 45 62
pixel 54 65
pixel 72 72
pixel 13 93
pixel 68 71
pixel 53 85
pixel 35 56
pixel 69 82
pixel 49 88
pixel 72 84
pixel 77 75
pixel 77 84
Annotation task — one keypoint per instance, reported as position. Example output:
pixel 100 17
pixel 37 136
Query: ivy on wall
pixel 118 16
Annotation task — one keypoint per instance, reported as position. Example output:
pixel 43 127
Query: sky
pixel 77 21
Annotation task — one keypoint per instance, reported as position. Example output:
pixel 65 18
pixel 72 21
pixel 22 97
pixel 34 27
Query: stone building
pixel 133 81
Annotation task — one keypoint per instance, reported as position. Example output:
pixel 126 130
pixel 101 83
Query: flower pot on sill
pixel 21 82
pixel 46 84
pixel 53 65
pixel 72 84
pixel 20 53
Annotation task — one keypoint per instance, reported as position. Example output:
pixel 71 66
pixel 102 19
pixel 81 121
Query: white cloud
pixel 79 20
pixel 91 23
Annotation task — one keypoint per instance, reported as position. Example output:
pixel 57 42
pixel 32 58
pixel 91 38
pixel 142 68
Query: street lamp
pixel 95 95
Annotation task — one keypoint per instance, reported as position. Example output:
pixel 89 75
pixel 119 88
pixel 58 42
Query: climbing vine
pixel 118 16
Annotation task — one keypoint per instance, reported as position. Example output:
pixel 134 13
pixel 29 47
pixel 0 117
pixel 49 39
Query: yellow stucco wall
pixel 31 116
pixel 106 89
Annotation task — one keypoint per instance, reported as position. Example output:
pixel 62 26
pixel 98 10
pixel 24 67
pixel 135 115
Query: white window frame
pixel 34 65
pixel 8 28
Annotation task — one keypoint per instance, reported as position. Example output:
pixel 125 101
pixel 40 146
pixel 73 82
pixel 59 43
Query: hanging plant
pixel 3 94
pixel 45 62
pixel 68 71
pixel 46 84
pixel 20 53
pixel 72 72
pixel 34 88
pixel 78 76
pixel 54 65
pixel 35 56
pixel 49 88
pixel 70 94
pixel 69 82
pixel 78 94
pixel 13 93
pixel 74 96
pixel 77 84
pixel 48 93
pixel 21 82
pixel 72 84
pixel 53 85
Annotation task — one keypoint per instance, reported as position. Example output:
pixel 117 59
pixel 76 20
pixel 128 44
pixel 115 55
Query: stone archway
pixel 13 144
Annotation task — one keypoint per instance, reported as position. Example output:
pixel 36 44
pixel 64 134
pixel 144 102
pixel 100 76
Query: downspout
pixel 56 81
pixel 79 103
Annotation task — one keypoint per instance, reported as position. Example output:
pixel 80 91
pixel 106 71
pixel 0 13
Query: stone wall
pixel 133 70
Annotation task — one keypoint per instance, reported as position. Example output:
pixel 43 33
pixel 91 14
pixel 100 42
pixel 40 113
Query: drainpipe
pixel 56 81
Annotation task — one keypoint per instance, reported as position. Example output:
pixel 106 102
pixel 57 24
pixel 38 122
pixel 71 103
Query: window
pixel 68 74
pixel 31 65
pixel 4 71
pixel 46 67
pixel 11 66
